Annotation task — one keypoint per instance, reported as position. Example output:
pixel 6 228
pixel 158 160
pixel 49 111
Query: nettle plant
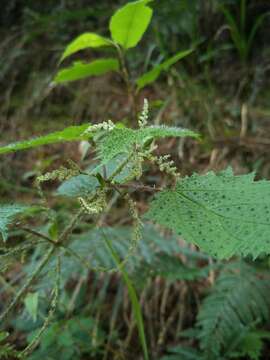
pixel 225 215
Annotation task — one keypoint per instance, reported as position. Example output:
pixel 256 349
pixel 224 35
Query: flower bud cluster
pixel 143 118
pixel 164 164
pixel 137 225
pixel 167 165
pixel 105 125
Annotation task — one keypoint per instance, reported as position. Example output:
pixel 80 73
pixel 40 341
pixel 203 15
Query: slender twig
pixel 75 294
pixel 40 235
pixel 28 283
pixel 84 262
pixel 131 93
pixel 17 249
pixel 55 296
pixel 45 259
pixel 70 227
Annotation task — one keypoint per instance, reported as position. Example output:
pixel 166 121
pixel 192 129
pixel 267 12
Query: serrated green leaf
pixel 71 133
pixel 150 76
pixel 31 304
pixel 121 140
pixel 223 214
pixel 84 41
pixel 81 70
pixel 8 214
pixel 81 185
pixel 130 22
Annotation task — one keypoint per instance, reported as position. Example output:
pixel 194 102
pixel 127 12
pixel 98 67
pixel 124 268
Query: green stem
pixel 130 88
pixel 55 296
pixel 41 265
pixel 28 283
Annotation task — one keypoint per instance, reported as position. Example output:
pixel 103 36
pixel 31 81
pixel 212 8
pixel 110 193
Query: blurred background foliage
pixel 221 91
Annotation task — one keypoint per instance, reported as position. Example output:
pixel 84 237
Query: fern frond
pixel 239 299
pixel 223 214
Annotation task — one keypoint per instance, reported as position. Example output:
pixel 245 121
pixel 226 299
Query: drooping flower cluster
pixel 96 204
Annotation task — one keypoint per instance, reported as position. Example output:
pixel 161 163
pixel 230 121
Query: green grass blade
pixel 236 35
pixel 243 11
pixel 258 23
pixel 133 297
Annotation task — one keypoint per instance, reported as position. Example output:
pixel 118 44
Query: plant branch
pixel 126 77
pixel 28 283
pixel 40 235
pixel 55 296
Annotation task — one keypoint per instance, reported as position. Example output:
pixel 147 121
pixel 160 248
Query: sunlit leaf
pixel 150 76
pixel 81 70
pixel 84 41
pixel 130 22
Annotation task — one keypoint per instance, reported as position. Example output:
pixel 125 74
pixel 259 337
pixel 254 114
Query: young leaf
pixel 84 41
pixel 80 70
pixel 8 214
pixel 150 76
pixel 223 214
pixel 130 22
pixel 122 140
pixel 71 133
pixel 31 304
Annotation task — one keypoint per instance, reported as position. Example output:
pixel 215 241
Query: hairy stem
pixel 126 77
pixel 55 295
pixel 28 283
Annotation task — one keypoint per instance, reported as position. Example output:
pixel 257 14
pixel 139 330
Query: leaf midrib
pixel 217 214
